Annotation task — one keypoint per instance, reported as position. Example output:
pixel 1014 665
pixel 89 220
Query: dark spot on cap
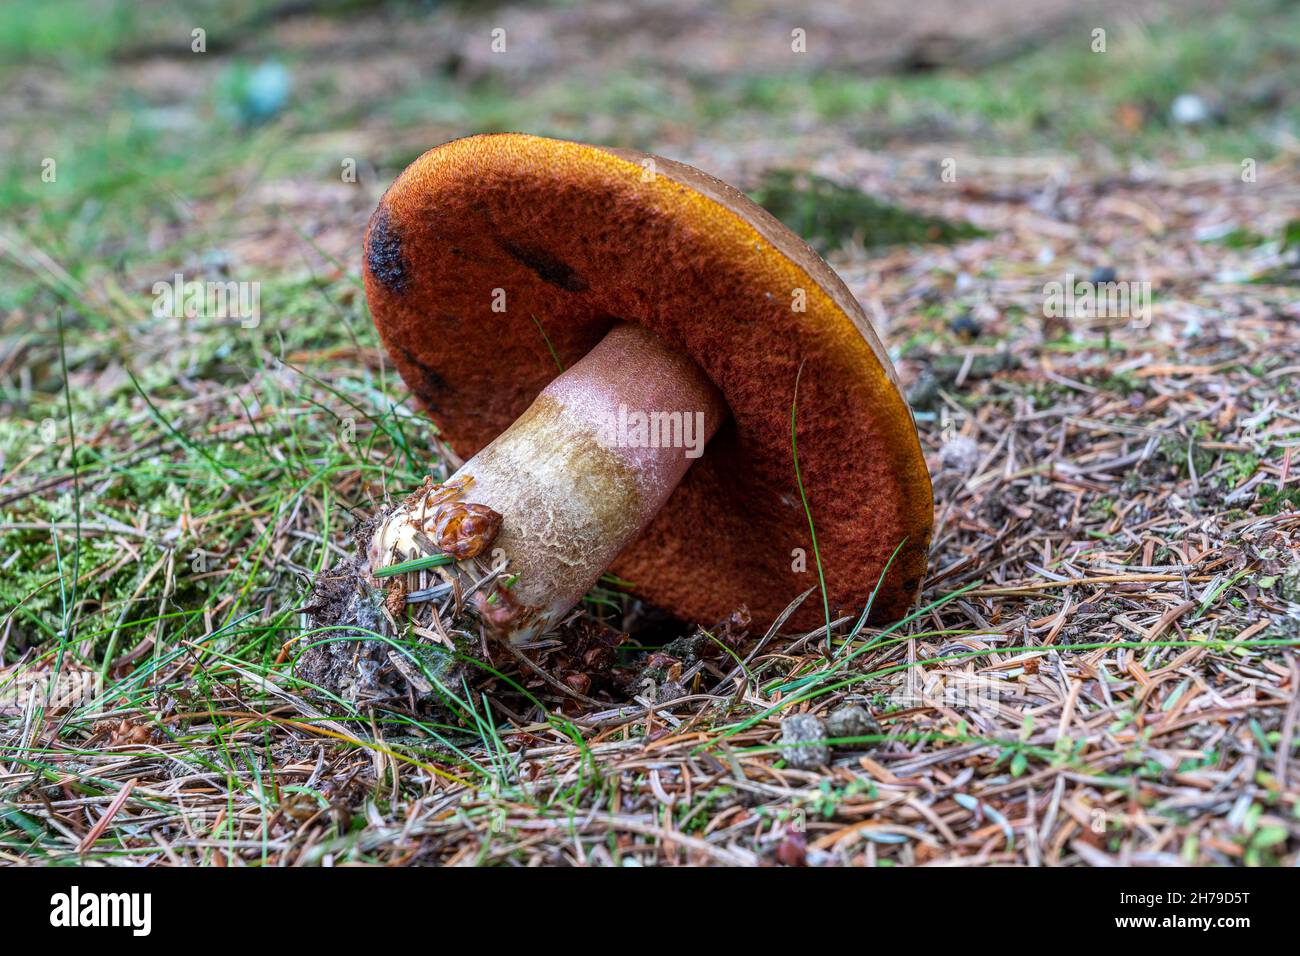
pixel 430 386
pixel 384 253
pixel 547 266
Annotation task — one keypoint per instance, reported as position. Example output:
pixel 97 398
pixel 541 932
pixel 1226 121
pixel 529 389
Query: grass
pixel 1066 95
pixel 803 497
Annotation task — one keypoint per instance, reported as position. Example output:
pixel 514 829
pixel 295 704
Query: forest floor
pixel 1102 667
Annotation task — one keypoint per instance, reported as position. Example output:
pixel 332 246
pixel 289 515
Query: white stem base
pixel 576 478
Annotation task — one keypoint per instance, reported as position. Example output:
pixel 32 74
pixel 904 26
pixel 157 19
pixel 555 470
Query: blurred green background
pixel 147 134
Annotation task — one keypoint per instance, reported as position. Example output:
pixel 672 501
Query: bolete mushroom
pixel 578 321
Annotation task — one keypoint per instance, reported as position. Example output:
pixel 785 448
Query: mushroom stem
pixel 575 479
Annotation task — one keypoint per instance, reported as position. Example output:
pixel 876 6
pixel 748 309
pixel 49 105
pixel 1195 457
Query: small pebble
pixel 669 690
pixel 924 391
pixel 796 734
pixel 1189 110
pixel 959 454
pixel 1289 582
pixel 965 327
pixel 266 92
pixel 793 850
pixel 851 721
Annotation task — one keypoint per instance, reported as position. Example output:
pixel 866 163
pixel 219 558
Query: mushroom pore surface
pixel 575 478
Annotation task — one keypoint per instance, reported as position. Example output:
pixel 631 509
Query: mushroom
pixel 579 321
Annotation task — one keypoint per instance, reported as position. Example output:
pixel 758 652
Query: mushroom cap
pixel 492 257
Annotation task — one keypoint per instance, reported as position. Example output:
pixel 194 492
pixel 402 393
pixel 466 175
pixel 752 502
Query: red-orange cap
pixel 567 239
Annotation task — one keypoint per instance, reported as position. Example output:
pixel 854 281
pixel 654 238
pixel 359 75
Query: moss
pixel 1275 500
pixel 829 214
